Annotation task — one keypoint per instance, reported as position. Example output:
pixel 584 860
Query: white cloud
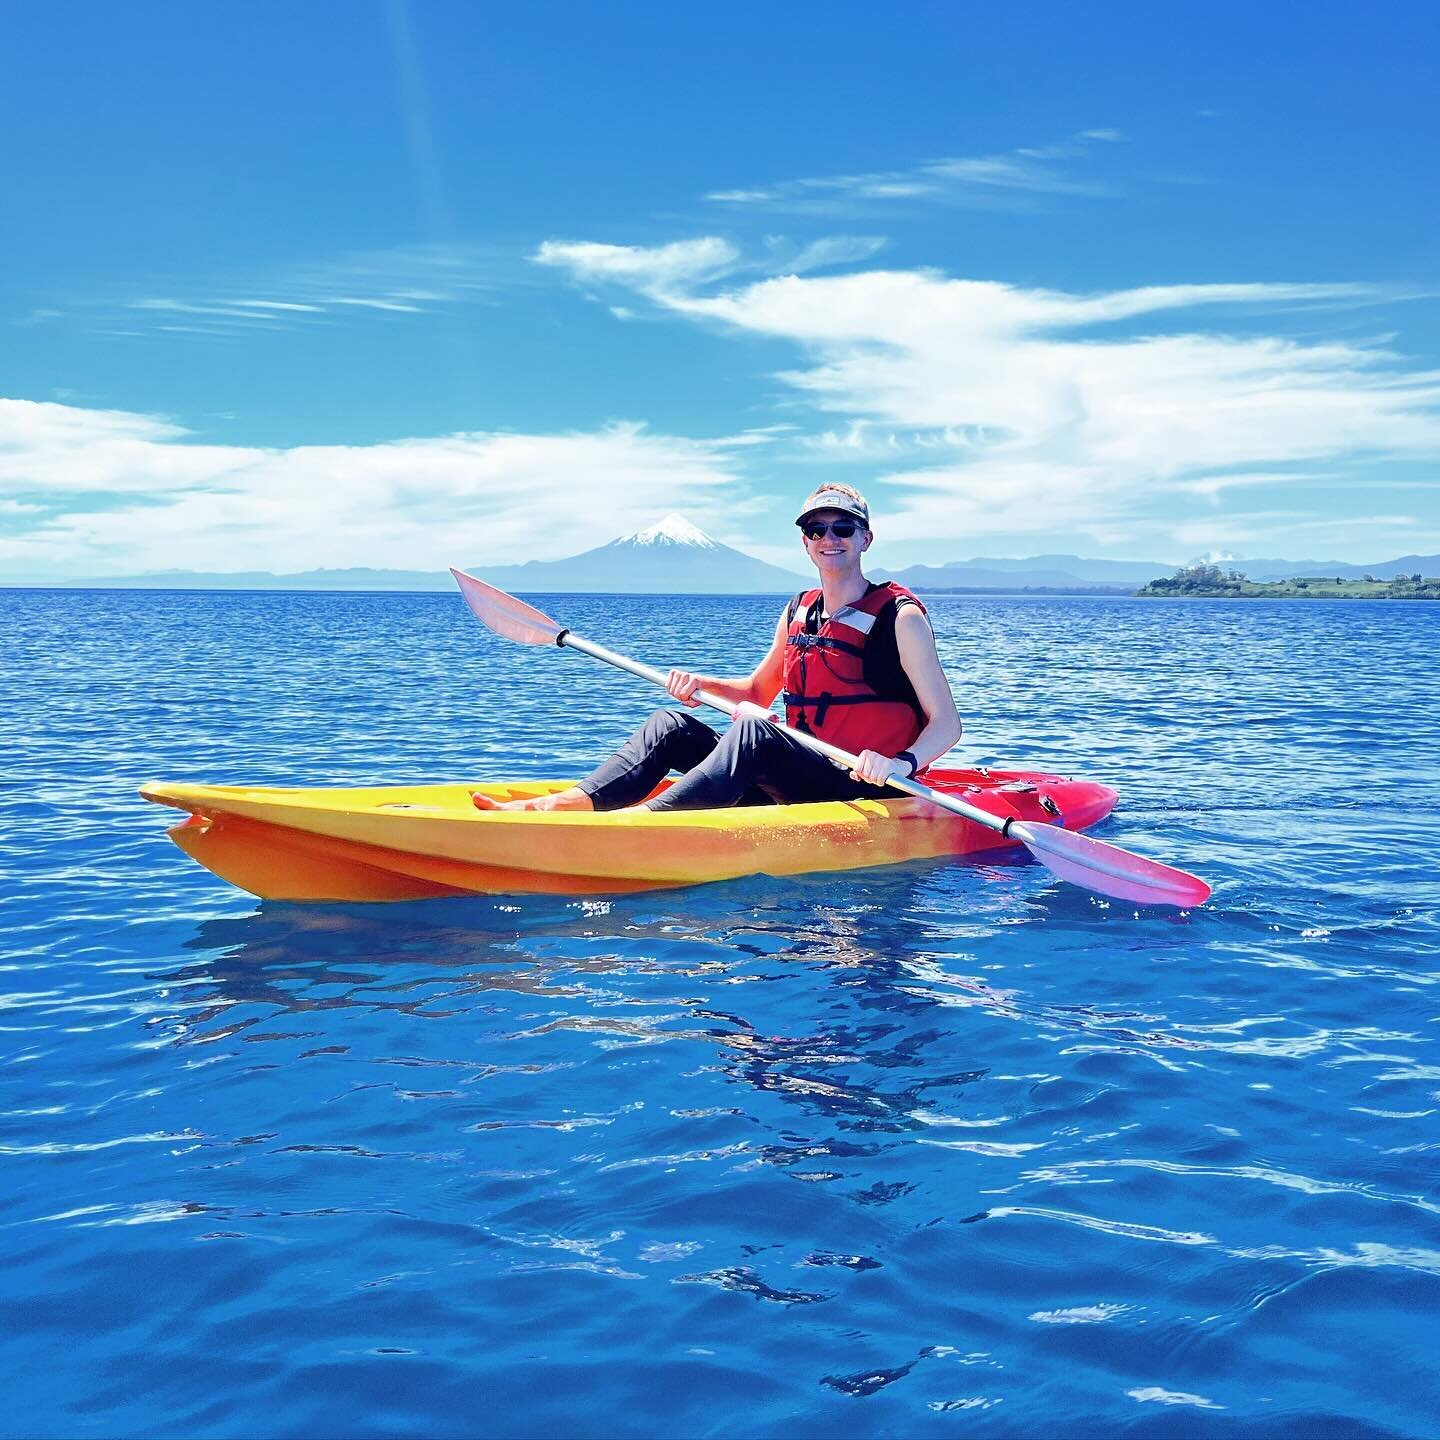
pixel 406 280
pixel 739 197
pixel 232 309
pixel 135 493
pixel 1248 529
pixel 1215 487
pixel 403 307
pixel 292 306
pixel 976 180
pixel 670 272
pixel 1040 408
pixel 54 449
pixel 829 251
pixel 655 270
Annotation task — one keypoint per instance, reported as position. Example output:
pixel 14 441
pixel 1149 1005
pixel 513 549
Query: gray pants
pixel 753 763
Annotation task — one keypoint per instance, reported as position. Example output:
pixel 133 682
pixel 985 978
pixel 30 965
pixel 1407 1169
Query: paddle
pixel 1093 864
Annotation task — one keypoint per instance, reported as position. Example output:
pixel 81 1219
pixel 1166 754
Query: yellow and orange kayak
pixel 416 841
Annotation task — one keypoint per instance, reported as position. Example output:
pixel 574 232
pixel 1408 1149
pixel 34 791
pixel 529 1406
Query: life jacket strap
pixel 823 642
pixel 822 702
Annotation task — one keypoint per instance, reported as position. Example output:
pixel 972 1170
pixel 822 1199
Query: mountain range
pixel 675 556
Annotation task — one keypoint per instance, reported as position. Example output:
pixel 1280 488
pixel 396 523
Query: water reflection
pixel 856 1006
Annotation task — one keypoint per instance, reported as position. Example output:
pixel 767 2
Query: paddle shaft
pixel 811 742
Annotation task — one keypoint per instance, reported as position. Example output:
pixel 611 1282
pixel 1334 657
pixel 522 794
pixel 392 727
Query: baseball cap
pixel 823 499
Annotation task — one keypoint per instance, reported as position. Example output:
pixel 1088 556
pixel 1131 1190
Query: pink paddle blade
pixel 1109 870
pixel 504 614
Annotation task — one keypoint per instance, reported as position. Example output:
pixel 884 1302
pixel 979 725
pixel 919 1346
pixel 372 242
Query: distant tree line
pixel 1189 579
pixel 1203 578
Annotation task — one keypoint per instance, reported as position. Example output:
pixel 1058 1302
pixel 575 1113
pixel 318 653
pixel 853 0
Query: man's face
pixel 831 537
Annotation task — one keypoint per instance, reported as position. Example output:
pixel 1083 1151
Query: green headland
pixel 1210 581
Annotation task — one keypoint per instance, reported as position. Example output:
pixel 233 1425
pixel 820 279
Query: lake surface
pixel 944 1149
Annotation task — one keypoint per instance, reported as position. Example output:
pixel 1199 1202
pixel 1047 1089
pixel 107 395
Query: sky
pixel 412 283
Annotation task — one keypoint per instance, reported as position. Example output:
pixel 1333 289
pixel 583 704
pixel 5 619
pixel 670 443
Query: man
pixel 858 668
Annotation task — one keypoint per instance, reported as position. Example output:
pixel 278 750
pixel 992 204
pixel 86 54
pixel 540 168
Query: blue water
pixel 940 1149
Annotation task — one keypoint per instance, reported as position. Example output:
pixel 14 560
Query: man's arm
pixel 916 643
pixel 921 662
pixel 758 688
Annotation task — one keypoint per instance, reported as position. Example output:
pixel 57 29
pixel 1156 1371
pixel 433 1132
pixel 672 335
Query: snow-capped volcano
pixel 674 529
pixel 674 556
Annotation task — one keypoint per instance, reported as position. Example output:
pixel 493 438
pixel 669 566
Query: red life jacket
pixel 843 678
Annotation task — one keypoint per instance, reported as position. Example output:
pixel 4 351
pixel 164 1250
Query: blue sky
pixel 405 284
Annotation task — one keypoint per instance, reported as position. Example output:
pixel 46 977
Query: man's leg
pixel 752 755
pixel 668 740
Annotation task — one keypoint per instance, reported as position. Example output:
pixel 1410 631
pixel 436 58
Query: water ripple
pixel 872 1154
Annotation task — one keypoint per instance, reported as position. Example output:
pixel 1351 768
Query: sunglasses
pixel 840 529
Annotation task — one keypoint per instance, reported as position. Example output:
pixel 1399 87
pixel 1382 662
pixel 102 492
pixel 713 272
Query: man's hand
pixel 875 769
pixel 683 685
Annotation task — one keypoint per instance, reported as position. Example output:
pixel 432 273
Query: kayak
pixel 414 842
pixel 420 841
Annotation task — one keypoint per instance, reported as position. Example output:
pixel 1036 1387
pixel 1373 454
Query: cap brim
pixel 804 515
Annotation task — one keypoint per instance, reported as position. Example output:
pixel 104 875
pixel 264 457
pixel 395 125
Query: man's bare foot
pixel 572 799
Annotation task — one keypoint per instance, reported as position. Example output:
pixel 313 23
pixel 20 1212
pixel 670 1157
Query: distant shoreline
pixel 1427 589
pixel 1081 592
pixel 1317 588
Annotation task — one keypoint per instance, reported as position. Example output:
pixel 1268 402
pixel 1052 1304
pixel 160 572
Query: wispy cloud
pixel 231 309
pixel 1250 529
pixel 100 492
pixel 654 270
pixel 287 307
pixel 678 268
pixel 396 306
pixel 1011 179
pixel 997 409
pixel 823 254
pixel 406 280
